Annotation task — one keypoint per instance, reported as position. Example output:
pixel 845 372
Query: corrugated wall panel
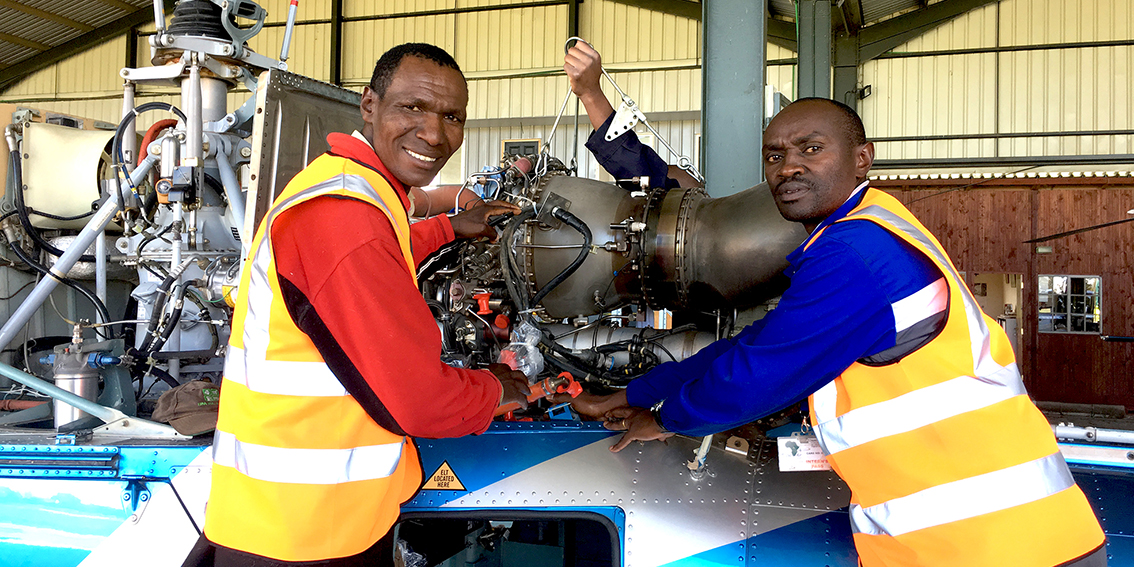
pixel 482 145
pixel 309 53
pixel 1031 22
pixel 93 71
pixel 277 10
pixel 365 41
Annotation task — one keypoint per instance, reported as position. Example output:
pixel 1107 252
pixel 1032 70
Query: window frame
pixel 1068 314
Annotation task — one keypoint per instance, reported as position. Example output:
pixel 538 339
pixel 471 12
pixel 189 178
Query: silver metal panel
pixel 294 114
pixel 651 483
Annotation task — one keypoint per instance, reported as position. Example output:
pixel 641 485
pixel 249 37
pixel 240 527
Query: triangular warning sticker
pixel 443 479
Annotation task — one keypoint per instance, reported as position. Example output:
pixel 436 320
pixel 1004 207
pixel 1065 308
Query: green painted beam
pixel 879 38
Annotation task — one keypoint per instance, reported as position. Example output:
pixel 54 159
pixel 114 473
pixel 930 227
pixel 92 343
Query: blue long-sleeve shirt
pixel 626 157
pixel 836 311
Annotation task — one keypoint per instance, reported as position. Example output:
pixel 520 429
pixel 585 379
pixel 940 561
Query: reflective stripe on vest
pixel 301 471
pixel 948 461
pixel 306 466
pixel 965 498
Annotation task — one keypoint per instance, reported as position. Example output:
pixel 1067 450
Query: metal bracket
pixel 127 426
pixel 625 119
pixel 135 498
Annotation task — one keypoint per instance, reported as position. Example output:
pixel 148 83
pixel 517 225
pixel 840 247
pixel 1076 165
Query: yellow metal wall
pixel 1046 90
pixel 513 59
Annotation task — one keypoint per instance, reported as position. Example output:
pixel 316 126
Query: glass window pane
pixel 1059 323
pixel 1059 284
pixel 1092 325
pixel 1061 304
pixel 1092 285
pixel 1077 285
pixel 1045 284
pixel 1078 304
pixel 1078 324
pixel 1045 303
pixel 1045 322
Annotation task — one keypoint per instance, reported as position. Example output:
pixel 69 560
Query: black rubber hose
pixel 174 318
pixel 508 262
pixel 577 224
pixel 120 132
pixel 164 377
pixel 15 169
pixel 157 312
pixel 98 304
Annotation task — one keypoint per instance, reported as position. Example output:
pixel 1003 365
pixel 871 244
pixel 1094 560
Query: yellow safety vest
pixel 300 471
pixel 948 460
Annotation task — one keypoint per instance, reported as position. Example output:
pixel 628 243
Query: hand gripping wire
pixel 629 115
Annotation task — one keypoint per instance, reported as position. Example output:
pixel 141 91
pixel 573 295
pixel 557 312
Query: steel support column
pixel 732 101
pixel 845 86
pixel 814 48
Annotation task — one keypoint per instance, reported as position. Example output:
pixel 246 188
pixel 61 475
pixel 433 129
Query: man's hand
pixel 514 384
pixel 473 223
pixel 592 406
pixel 639 425
pixel 584 69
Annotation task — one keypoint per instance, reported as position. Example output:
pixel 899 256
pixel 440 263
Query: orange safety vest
pixel 300 471
pixel 948 461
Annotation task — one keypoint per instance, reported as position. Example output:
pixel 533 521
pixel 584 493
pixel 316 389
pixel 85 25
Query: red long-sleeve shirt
pixel 343 256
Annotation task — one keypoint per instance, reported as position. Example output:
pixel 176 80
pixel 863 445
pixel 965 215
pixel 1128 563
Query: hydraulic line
pixel 15 172
pixel 577 224
pixel 98 304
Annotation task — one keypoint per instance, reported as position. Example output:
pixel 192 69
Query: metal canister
pixel 74 375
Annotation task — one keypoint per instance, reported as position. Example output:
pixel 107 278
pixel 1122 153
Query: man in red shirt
pixel 334 363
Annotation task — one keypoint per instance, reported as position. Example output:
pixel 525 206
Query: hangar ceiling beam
pixel 879 38
pixel 46 58
pixel 733 69
pixel 44 15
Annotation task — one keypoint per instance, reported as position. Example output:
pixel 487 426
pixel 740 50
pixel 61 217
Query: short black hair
pixel 389 61
pixel 851 122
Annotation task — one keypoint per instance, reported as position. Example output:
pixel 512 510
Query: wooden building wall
pixel 984 228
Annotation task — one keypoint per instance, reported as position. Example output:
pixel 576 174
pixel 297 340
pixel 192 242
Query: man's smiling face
pixel 419 122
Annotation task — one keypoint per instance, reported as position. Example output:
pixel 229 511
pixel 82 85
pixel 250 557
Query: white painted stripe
pixel 966 498
pixel 306 466
pixel 920 305
pixel 281 377
pixel 915 409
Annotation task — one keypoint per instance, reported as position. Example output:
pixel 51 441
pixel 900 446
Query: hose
pixel 151 134
pixel 174 317
pixel 15 169
pixel 98 304
pixel 511 272
pixel 577 224
pixel 120 132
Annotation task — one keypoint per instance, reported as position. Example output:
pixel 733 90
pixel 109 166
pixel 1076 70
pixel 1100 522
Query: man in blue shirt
pixel 836 311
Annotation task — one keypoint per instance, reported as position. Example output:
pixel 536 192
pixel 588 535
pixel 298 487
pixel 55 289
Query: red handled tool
pixel 562 384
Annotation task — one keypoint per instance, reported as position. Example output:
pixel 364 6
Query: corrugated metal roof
pixel 31 27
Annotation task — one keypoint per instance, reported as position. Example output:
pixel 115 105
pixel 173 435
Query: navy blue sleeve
pixel 626 157
pixel 833 314
pixel 836 311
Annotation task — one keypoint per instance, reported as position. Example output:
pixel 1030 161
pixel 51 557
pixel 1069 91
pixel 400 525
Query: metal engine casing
pixel 675 249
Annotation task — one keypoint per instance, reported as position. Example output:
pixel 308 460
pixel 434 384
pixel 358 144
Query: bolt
pixel 246 152
pixel 1130 455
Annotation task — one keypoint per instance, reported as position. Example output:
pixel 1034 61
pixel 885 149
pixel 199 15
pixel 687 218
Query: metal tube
pixel 174 342
pixel 214 99
pixel 129 143
pixel 191 99
pixel 94 228
pixel 100 272
pixel 1094 434
pixel 82 382
pixel 159 17
pixel 102 412
pixel 287 31
pixel 232 191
